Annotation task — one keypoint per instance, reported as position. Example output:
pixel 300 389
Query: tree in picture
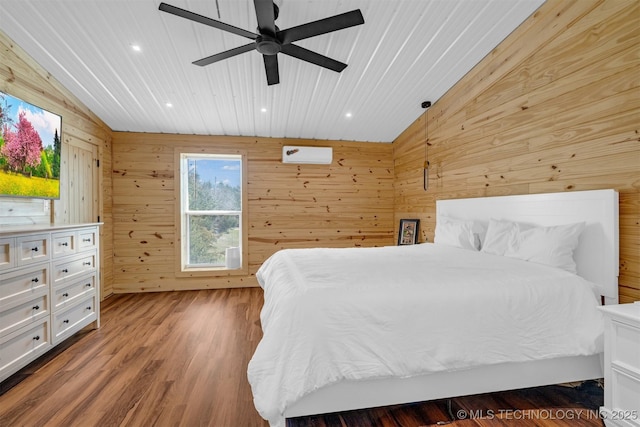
pixel 23 146
pixel 5 121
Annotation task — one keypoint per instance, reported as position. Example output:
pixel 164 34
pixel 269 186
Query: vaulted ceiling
pixel 406 52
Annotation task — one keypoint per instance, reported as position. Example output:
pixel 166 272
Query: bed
pixel 364 327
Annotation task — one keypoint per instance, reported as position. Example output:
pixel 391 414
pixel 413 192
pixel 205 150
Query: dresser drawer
pixel 20 315
pixel 32 249
pixel 24 284
pixel 626 346
pixel 87 238
pixel 70 268
pixel 65 296
pixel 626 396
pixel 63 243
pixel 23 346
pixel 74 318
pixel 7 253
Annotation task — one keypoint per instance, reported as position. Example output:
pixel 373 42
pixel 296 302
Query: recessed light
pixel 168 105
pixel 348 115
pixel 264 110
pixel 136 48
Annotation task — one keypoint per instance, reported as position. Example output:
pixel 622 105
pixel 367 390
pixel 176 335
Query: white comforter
pixel 356 313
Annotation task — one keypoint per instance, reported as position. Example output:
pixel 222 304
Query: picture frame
pixel 30 150
pixel 408 232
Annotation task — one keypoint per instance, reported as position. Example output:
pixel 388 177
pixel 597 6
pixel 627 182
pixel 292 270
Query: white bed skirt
pixel 348 395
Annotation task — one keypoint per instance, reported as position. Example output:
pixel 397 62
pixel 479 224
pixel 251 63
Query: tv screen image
pixel 30 145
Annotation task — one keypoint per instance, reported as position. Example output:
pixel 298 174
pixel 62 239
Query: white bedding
pixel 356 313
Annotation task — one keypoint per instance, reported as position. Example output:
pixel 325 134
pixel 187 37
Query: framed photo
pixel 30 150
pixel 408 233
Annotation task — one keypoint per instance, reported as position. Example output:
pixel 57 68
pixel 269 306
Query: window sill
pixel 212 272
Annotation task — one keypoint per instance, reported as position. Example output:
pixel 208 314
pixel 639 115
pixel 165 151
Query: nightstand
pixel 621 365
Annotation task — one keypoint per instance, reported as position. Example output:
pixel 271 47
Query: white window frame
pixel 183 214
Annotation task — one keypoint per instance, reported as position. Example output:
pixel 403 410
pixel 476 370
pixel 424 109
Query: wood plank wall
pixel 345 204
pixel 22 77
pixel 555 107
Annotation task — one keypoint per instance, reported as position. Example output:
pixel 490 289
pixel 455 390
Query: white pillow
pixel 459 233
pixel 499 235
pixel 479 233
pixel 552 246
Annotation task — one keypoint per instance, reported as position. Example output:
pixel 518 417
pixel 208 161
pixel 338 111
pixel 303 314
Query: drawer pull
pixel 89 308
pixel 65 321
pixel 86 240
pixel 36 307
pixel 64 244
pixel 65 294
pixel 65 270
pixel 36 338
pixel 34 249
pixel 86 263
pixel 35 280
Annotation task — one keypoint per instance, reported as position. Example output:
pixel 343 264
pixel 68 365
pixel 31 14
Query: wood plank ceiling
pixel 407 51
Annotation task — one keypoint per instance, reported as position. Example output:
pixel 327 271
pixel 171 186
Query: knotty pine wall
pixel 22 77
pixel 346 204
pixel 555 107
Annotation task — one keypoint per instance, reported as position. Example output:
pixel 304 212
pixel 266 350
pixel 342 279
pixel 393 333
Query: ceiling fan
pixel 270 40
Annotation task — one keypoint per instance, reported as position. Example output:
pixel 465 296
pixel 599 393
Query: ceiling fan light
pixel 268 45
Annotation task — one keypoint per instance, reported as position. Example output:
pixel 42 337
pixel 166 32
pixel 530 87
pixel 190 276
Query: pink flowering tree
pixel 23 146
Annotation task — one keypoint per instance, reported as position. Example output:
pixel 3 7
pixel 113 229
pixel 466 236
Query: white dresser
pixel 49 289
pixel 621 365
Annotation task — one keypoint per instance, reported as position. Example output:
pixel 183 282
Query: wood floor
pixel 540 406
pixel 180 358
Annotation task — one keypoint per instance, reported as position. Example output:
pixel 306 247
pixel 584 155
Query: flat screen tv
pixel 30 145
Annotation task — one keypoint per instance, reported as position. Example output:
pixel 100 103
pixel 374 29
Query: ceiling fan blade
pixel 224 55
pixel 322 26
pixel 206 21
pixel 266 16
pixel 313 57
pixel 271 68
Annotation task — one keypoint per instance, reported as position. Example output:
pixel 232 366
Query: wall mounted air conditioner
pixel 308 155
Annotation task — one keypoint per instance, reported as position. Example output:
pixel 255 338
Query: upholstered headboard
pixel 596 257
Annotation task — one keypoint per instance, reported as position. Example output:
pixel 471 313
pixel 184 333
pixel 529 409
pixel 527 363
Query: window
pixel 212 217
